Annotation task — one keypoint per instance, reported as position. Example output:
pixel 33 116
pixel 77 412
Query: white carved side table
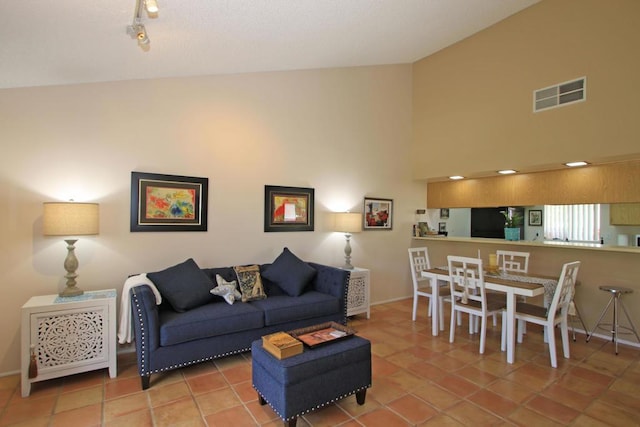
pixel 358 295
pixel 68 335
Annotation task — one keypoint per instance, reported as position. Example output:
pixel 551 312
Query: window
pixel 576 223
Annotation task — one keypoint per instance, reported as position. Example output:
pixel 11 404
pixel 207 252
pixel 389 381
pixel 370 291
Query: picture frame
pixel 378 214
pixel 444 213
pixel 442 227
pixel 168 202
pixel 288 208
pixel 535 217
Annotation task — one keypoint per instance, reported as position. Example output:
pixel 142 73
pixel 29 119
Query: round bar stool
pixel 616 292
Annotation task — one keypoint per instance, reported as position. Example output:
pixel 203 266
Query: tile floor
pixel 418 380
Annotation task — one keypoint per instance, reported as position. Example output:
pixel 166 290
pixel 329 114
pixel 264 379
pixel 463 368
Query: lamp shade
pixel 347 222
pixel 70 219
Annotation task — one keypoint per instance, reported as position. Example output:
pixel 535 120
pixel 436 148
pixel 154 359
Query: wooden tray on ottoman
pixel 323 333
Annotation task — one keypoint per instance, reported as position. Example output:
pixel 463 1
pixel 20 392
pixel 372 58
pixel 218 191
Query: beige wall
pixel 344 132
pixel 473 101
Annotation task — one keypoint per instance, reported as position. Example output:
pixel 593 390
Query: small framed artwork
pixel 288 208
pixel 444 213
pixel 378 214
pixel 535 217
pixel 168 202
pixel 442 227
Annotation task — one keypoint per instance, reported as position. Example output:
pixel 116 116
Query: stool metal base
pixel 616 293
pixel 579 316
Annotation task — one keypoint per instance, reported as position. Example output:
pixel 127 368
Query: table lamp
pixel 70 219
pixel 347 223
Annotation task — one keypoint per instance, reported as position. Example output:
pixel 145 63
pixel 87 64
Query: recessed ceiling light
pixel 506 171
pixel 574 164
pixel 456 177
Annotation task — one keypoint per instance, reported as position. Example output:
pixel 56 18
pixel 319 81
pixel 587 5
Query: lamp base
pixel 71 291
pixel 71 265
pixel 347 253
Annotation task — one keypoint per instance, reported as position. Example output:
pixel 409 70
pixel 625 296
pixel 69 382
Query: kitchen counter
pixel 540 244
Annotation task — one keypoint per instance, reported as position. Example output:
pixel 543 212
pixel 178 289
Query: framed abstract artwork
pixel 288 208
pixel 168 202
pixel 378 214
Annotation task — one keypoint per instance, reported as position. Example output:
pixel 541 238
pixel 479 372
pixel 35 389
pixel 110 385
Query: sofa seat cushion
pixel 283 308
pixel 210 320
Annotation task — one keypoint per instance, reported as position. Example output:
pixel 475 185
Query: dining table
pixel 512 285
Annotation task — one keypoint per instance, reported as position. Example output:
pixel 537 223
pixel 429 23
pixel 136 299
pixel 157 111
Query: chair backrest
pixel 564 290
pixel 467 278
pixel 418 261
pixel 512 261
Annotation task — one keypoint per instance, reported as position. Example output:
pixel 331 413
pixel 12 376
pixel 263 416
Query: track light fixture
pixel 137 30
pixel 151 6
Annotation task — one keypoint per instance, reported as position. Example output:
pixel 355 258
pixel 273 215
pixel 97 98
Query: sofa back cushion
pixel 184 286
pixel 290 273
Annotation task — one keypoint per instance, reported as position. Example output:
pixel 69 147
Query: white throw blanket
pixel 125 334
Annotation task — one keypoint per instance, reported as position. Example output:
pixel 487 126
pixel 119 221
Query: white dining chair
pixel 513 261
pixel 555 314
pixel 466 281
pixel 419 261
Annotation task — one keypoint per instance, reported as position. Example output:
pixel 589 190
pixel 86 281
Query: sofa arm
pixel 146 326
pixel 333 281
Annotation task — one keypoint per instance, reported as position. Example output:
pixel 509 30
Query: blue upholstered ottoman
pixel 315 378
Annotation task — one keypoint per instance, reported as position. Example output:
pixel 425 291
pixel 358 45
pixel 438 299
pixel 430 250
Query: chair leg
pixel 552 345
pixel 441 314
pixel 503 338
pixel 483 332
pixel 452 332
pixel 471 324
pixel 564 331
pixel 415 307
pixel 521 324
pixel 429 309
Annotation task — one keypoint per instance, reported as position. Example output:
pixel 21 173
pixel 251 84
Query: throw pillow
pixel 290 273
pixel 184 285
pixel 226 290
pixel 250 282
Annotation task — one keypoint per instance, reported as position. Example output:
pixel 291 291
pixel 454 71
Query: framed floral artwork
pixel 378 214
pixel 168 202
pixel 288 208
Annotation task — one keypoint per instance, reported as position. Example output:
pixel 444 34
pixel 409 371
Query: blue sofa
pixel 167 339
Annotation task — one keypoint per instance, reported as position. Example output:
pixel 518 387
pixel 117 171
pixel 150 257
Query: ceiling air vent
pixel 559 95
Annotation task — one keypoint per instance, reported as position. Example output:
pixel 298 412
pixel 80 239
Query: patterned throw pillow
pixel 226 290
pixel 250 282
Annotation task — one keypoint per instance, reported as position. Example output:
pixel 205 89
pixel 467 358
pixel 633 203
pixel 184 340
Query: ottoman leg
pixel 291 423
pixel 261 400
pixel 361 396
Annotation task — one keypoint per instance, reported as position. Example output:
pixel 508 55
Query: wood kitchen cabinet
pixel 624 214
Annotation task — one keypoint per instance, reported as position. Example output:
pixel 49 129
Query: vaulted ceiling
pixel 45 42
